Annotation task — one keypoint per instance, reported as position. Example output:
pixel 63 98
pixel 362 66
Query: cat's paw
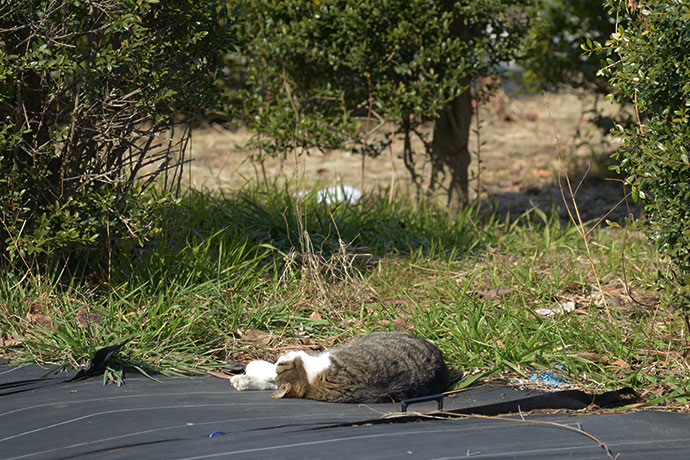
pixel 240 382
pixel 246 382
pixel 258 375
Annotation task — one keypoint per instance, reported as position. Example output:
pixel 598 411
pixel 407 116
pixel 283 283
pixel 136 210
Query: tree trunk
pixel 450 154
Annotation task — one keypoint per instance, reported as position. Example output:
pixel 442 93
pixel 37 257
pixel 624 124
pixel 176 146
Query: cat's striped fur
pixel 378 367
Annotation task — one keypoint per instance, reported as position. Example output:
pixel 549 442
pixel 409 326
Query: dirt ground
pixel 521 137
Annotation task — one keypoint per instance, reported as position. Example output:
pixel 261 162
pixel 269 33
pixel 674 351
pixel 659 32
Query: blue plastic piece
pixel 544 378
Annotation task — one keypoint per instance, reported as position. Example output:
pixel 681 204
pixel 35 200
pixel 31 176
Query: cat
pixel 377 367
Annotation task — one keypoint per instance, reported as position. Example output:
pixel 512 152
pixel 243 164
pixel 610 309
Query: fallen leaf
pixel 596 357
pixel 620 363
pixel 257 336
pixel 616 301
pixel 499 292
pixel 40 319
pixel 351 324
pixel 35 305
pixel 657 390
pixel 220 375
pixel 234 367
pixel 86 319
pixel 315 315
pixel 404 304
pixel 575 287
pixel 402 324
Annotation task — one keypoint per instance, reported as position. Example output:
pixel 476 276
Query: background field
pixel 520 135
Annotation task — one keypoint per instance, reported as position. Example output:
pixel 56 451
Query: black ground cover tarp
pixel 51 418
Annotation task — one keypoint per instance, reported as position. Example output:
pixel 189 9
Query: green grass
pixel 308 274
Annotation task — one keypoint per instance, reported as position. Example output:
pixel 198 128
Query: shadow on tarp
pixel 55 418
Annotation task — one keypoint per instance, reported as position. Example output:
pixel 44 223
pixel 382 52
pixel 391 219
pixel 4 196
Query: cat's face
pixel 291 379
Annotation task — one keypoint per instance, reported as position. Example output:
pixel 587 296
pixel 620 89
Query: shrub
pixel 649 64
pixel 89 97
pixel 326 73
pixel 554 57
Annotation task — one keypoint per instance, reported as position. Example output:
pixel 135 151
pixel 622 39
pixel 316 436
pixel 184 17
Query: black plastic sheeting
pixel 203 417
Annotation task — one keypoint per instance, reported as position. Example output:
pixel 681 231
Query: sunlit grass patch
pixel 250 274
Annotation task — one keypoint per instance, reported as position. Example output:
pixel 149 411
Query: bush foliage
pixel 328 73
pixel 87 94
pixel 554 57
pixel 649 64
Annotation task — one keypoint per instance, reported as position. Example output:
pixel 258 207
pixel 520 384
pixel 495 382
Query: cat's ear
pixel 282 391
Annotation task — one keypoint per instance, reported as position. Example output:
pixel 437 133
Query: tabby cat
pixel 377 367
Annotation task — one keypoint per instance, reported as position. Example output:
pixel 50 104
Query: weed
pixel 248 274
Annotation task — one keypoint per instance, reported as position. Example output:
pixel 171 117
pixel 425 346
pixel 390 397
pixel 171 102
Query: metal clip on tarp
pixel 408 402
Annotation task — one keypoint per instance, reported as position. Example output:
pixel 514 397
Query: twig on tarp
pixel 565 399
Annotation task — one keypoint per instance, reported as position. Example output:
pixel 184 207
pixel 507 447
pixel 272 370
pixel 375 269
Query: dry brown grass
pixel 519 159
